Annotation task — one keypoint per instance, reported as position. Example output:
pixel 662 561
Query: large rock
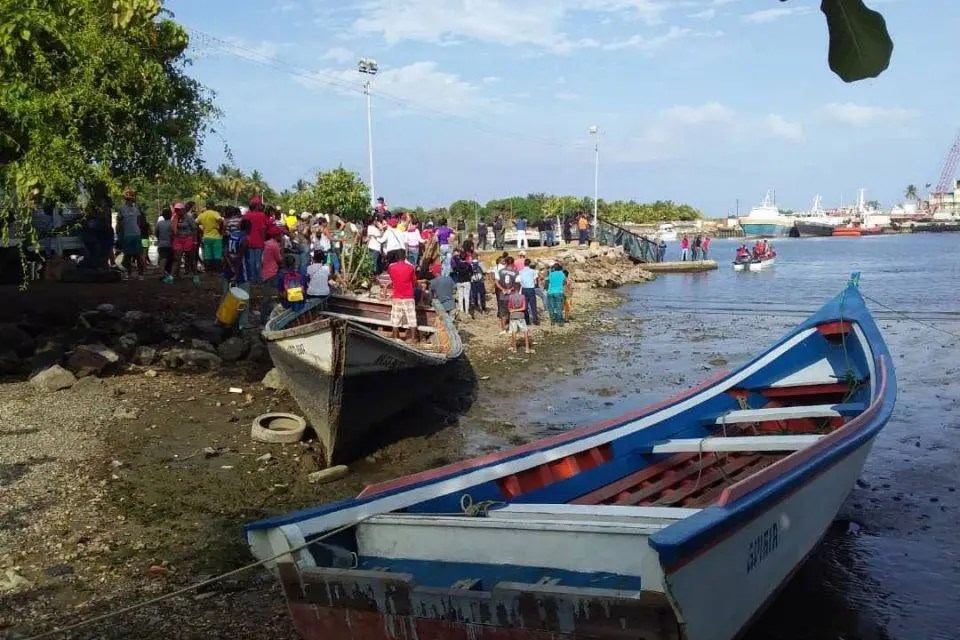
pixel 92 359
pixel 127 344
pixel 53 379
pixel 17 340
pixel 233 349
pixel 203 345
pixel 136 317
pixel 272 380
pixel 207 330
pixel 145 356
pixel 191 358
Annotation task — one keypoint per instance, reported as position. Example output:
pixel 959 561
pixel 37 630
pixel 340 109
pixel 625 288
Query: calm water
pixel 890 567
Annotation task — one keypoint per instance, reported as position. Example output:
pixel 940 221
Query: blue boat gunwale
pixel 684 534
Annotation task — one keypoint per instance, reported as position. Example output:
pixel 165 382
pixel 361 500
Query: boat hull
pixel 847 232
pixel 331 366
pixel 813 229
pixel 761 555
pixel 762 264
pixel 766 230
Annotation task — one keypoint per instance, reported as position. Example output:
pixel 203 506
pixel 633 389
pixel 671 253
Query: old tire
pixel 278 428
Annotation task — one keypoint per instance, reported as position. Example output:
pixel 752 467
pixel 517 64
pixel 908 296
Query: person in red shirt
pixel 260 223
pixel 270 267
pixel 404 311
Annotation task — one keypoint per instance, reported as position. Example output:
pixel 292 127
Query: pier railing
pixel 635 245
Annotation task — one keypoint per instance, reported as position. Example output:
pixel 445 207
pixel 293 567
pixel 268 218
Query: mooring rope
pixel 905 316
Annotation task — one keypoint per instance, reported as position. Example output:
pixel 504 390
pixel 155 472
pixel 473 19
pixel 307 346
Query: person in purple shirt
pixel 445 236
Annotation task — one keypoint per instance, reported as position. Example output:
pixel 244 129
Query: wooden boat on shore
pixel 679 520
pixel 341 365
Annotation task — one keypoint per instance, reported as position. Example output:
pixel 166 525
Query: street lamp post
pixel 369 67
pixel 594 130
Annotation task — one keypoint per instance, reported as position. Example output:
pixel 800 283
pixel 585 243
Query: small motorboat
pixel 679 520
pixel 742 263
pixel 763 262
pixel 330 360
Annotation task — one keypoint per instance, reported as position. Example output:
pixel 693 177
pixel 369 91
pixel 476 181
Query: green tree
pixel 342 192
pixel 468 210
pixel 93 92
pixel 910 193
pixel 562 206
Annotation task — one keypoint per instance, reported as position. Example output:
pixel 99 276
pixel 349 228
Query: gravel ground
pixel 107 499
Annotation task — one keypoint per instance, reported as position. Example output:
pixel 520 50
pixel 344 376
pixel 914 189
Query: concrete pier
pixel 685 266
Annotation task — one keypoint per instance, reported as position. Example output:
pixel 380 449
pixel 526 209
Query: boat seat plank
pixel 735 444
pixel 591 512
pixel 611 490
pixel 790 413
pixel 373 321
pixel 700 467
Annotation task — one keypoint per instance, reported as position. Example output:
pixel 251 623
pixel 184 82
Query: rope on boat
pixel 905 316
pixel 183 590
pixel 481 508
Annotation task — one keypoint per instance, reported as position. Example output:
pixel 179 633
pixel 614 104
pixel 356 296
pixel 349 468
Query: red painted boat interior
pixel 690 480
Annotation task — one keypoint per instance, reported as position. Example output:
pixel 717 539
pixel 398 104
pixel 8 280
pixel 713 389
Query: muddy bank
pixel 159 456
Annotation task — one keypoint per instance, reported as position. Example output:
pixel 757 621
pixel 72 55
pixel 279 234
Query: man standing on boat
pixel 498 232
pixel 482 235
pixel 403 313
pixel 521 226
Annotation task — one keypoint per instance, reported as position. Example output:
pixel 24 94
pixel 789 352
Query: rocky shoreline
pixel 127 467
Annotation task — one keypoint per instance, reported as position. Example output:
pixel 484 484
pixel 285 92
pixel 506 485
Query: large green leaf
pixel 860 46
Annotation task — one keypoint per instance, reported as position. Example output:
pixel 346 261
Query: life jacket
pixel 293 287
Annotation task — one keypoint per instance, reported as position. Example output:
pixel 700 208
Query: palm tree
pixel 911 193
pixel 301 186
pixel 257 184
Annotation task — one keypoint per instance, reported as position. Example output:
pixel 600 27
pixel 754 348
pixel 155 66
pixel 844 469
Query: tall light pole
pixel 594 130
pixel 369 67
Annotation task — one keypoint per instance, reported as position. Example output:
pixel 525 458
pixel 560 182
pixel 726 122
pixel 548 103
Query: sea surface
pixel 889 568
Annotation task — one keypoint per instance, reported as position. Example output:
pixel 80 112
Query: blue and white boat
pixel 766 221
pixel 679 520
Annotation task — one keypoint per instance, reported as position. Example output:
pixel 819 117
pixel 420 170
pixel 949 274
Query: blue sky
pixel 699 101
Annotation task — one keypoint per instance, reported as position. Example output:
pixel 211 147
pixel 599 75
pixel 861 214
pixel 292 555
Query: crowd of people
pixel 696 249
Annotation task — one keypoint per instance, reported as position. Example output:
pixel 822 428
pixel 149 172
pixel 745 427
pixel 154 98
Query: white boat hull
pixel 749 566
pixel 763 264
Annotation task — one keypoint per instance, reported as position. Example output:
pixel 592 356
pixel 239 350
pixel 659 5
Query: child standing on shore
pixel 517 308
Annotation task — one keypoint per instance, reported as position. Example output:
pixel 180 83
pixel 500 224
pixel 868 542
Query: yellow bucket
pixel 232 306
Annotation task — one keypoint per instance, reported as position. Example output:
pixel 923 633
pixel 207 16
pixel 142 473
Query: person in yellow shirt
pixel 211 224
pixel 291 219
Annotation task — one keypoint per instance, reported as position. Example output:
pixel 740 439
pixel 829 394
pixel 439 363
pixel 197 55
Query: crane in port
pixel 948 172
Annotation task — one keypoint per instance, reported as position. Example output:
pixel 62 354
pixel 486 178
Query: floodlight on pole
pixel 594 130
pixel 369 68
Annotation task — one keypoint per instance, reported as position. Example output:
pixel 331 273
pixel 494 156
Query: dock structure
pixel 684 266
pixel 638 247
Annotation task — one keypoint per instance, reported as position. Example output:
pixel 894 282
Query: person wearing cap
pixel 184 228
pixel 520 261
pixel 212 228
pixel 291 219
pixel 130 222
pixel 257 238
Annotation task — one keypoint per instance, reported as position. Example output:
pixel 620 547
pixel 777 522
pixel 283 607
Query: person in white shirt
pixel 393 240
pixel 375 244
pixel 413 240
pixel 319 274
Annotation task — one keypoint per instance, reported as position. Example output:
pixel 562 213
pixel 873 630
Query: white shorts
pixel 517 326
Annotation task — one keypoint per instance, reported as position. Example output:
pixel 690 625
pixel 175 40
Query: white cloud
pixel 706 14
pixel 859 115
pixel 537 23
pixel 710 113
pixel 769 15
pixel 339 54
pixel 780 127
pixel 491 79
pixel 406 87
pixel 567 96
pixel 683 130
pixel 287 6
pixel 262 49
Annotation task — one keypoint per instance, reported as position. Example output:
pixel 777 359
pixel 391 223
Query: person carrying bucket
pixel 234 308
